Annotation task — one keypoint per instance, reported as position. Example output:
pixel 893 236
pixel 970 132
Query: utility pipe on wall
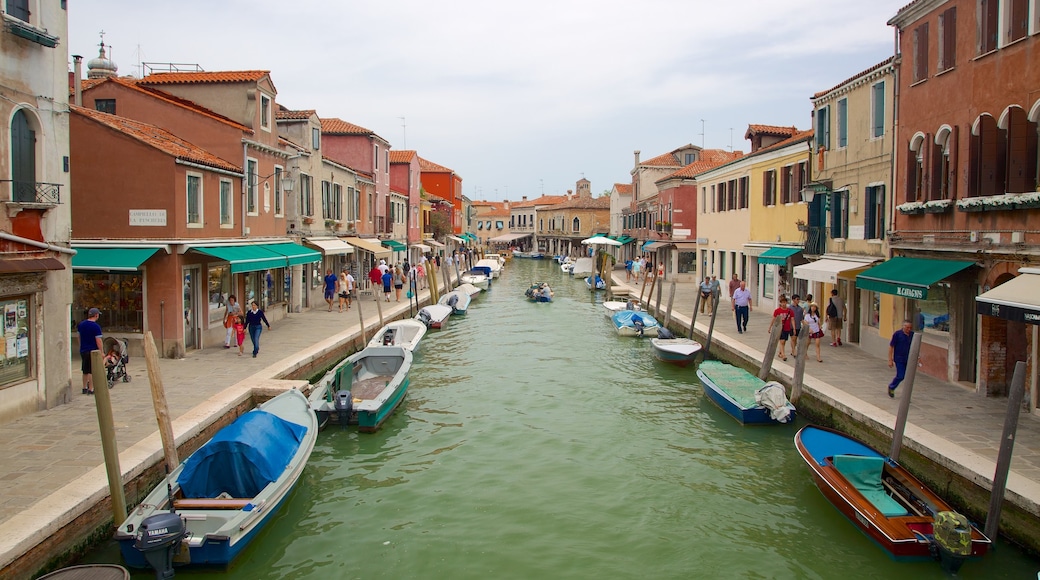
pixel 34 243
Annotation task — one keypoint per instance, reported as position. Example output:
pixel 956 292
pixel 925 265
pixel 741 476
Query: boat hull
pixel 745 415
pixel 371 421
pixel 677 353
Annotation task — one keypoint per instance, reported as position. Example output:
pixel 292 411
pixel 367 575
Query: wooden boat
pixel 600 283
pixel 406 333
pixel 679 351
pixel 221 496
pixel 434 315
pixel 457 300
pixel 539 292
pixel 477 276
pixel 745 397
pixel 363 389
pixel 635 323
pixel 882 499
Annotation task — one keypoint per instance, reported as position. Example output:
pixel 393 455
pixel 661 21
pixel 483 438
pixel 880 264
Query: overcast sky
pixel 518 98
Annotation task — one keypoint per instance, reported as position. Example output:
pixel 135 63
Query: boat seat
pixel 210 503
pixel 864 473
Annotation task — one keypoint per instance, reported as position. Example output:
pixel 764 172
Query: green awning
pixel 625 239
pixel 646 244
pixel 777 255
pixel 470 237
pixel 294 253
pixel 908 277
pixel 395 245
pixel 248 258
pixel 111 259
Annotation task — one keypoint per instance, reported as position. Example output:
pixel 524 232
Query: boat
pixel 492 264
pixel 582 267
pixel 501 259
pixel 477 276
pixel 567 266
pixel 406 333
pixel 539 292
pixel 457 300
pixel 612 306
pixel 469 289
pixel 635 323
pixel 535 255
pixel 676 350
pixel 745 397
pixel 434 315
pixel 363 389
pixel 600 283
pixel 887 503
pixel 223 494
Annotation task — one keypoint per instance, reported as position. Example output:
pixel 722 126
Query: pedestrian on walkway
pixel 734 283
pixel 350 289
pixel 786 325
pixel 705 293
pixel 344 296
pixel 637 265
pixel 240 332
pixel 398 281
pixel 836 315
pixel 628 270
pixel 742 306
pixel 716 290
pixel 89 341
pixel 420 274
pixel 899 354
pixel 812 318
pixel 799 315
pixel 234 311
pixel 375 275
pixel 253 319
pixel 387 280
pixel 330 288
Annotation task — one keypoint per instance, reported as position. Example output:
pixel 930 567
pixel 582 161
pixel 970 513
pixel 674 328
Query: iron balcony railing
pixel 816 241
pixel 32 192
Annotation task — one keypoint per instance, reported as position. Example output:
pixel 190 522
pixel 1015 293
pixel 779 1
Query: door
pixel 23 159
pixel 191 307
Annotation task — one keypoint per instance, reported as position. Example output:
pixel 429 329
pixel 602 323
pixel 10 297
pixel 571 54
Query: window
pixel 915 170
pixel 337 197
pixel 731 194
pixel 947 39
pixel 252 178
pixel 265 112
pixel 576 225
pixel 920 40
pixel 315 138
pixel 1016 20
pixel 226 204
pixel 17 364
pixel 843 123
pixel 944 174
pixel 987 159
pixel 874 213
pixel 499 224
pixel 877 108
pixel 839 214
pixel 119 296
pixel 326 200
pixel 105 106
pixel 23 158
pixel 823 128
pixel 353 205
pixel 713 205
pixel 194 201
pixel 218 284
pixel 19 9
pixel 306 201
pixel 1019 136
pixel 745 192
pixel 768 280
pixel 371 206
pixel 986 26
pixel 801 178
pixel 769 187
pixel 786 183
pixel 278 191
pixel 375 155
pixel 874 302
pixel 690 158
pixel 721 196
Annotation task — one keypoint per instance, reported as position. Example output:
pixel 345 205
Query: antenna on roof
pixel 404 134
pixel 702 133
pixel 731 139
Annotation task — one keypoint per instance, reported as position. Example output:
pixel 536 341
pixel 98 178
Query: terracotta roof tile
pixel 544 200
pixel 402 156
pixel 158 138
pixel 623 188
pixel 183 78
pixel 799 136
pixel 497 212
pixel 431 167
pixel 132 84
pixel 585 203
pixel 89 83
pixel 710 159
pixel 665 160
pixel 878 66
pixel 335 126
pixel 293 115
pixel 769 130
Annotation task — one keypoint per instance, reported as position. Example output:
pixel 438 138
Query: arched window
pixel 988 158
pixel 23 158
pixel 944 163
pixel 915 168
pixel 576 225
pixel 1021 137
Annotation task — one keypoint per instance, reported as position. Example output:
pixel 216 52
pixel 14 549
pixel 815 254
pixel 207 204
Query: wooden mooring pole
pixel 693 317
pixel 799 363
pixel 711 323
pixel 671 299
pixel 767 359
pixel 907 387
pixel 103 403
pixel 1007 445
pixel 162 409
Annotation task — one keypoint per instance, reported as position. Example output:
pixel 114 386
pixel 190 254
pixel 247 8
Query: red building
pixel 445 184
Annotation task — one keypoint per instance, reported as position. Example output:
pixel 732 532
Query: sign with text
pixel 147 217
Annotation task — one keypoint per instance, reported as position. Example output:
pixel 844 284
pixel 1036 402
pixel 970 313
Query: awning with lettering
pixel 372 246
pixel 908 277
pixel 111 259
pixel 330 246
pixel 778 255
pixel 1017 299
pixel 828 271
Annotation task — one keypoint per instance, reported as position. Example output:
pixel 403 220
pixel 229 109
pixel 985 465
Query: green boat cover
pixel 864 473
pixel 739 384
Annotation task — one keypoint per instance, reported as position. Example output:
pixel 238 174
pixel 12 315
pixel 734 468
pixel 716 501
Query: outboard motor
pixel 952 534
pixel 158 539
pixel 424 317
pixel 388 337
pixel 637 322
pixel 664 333
pixel 453 301
pixel 344 407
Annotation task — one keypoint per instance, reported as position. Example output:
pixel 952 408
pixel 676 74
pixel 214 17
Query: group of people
pixel 238 323
pixel 393 277
pixel 792 315
pixel 339 289
pixel 641 266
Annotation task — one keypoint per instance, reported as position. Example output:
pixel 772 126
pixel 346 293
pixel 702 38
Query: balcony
pixel 19 195
pixel 816 241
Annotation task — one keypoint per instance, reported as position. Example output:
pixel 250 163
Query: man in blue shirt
pixel 89 341
pixel 899 354
pixel 330 287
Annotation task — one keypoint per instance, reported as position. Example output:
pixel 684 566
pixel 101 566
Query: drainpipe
pixel 245 184
pixel 894 161
pixel 77 74
pixel 34 243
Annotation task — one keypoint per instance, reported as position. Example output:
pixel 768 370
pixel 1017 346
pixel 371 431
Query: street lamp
pixel 808 194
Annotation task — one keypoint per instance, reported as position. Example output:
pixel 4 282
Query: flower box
pixel 911 208
pixel 308 220
pixel 1027 204
pixel 938 206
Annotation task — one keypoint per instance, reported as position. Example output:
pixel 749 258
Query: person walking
pixel 836 315
pixel 786 325
pixel 234 311
pixel 387 280
pixel 716 290
pixel 341 286
pixel 899 354
pixel 398 282
pixel 350 289
pixel 705 293
pixel 742 306
pixel 799 316
pixel 637 265
pixel 420 274
pixel 812 318
pixel 330 288
pixel 240 332
pixel 734 283
pixel 253 319
pixel 89 341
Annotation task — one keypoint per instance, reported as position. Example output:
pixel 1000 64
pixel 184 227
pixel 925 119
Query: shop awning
pixel 508 238
pixel 294 253
pixel 625 239
pixel 469 237
pixel 828 271
pixel 395 245
pixel 30 265
pixel 330 246
pixel 777 255
pixel 457 239
pixel 111 259
pixel 422 247
pixel 434 243
pixel 652 245
pixel 908 277
pixel 245 258
pixel 1017 299
pixel 371 246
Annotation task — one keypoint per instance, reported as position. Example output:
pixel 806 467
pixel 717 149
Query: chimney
pixel 77 74
pixel 637 157
pixel 523 198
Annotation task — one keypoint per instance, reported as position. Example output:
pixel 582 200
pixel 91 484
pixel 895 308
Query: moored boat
pixel 457 300
pixel 406 333
pixel 221 496
pixel 612 306
pixel 365 388
pixel 745 397
pixel 434 315
pixel 676 350
pixel 582 267
pixel 635 323
pixel 539 292
pixel 478 276
pixel 600 284
pixel 887 503
pixel 492 264
pixel 470 289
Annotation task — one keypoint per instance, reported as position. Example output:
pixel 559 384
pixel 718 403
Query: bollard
pixel 767 359
pixel 361 320
pixel 800 359
pixel 103 403
pixel 904 401
pixel 1007 445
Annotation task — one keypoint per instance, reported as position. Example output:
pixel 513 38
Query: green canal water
pixel 535 443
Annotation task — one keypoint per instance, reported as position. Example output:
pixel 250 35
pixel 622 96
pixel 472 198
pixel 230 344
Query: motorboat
pixel 501 259
pixel 477 276
pixel 363 389
pixel 469 289
pixel 406 333
pixel 457 300
pixel 582 267
pixel 675 350
pixel 635 323
pixel 600 283
pixel 493 265
pixel 539 292
pixel 612 306
pixel 434 315
pixel 745 397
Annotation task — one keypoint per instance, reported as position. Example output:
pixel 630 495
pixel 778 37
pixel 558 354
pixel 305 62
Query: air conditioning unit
pixel 1018 237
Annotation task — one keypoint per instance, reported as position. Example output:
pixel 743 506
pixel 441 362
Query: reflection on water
pixel 536 443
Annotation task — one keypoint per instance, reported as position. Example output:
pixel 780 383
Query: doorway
pixel 191 307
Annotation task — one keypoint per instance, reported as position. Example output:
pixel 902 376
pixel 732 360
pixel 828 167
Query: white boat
pixel 493 264
pixel 219 498
pixel 479 277
pixel 501 259
pixel 566 267
pixel 469 289
pixel 434 315
pixel 457 300
pixel 582 267
pixel 679 351
pixel 364 389
pixel 406 333
pixel 600 283
pixel 632 323
pixel 612 306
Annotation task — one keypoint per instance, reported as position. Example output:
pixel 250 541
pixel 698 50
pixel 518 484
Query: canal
pixel 534 443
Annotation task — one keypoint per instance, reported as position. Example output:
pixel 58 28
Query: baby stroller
pixel 116 359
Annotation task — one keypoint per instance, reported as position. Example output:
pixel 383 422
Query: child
pixel 240 332
pixel 112 358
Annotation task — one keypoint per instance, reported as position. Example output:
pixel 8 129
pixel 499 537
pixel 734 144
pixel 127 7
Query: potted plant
pixel 802 226
pixel 330 224
pixel 910 208
pixel 308 219
pixel 1028 200
pixel 938 205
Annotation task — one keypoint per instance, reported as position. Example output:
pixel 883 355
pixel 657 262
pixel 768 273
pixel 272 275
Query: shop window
pixel 768 281
pixel 932 316
pixel 874 314
pixel 218 285
pixel 687 263
pixel 17 349
pixel 119 296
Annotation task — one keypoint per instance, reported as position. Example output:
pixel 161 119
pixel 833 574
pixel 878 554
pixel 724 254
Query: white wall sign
pixel 682 232
pixel 148 217
pixel 855 232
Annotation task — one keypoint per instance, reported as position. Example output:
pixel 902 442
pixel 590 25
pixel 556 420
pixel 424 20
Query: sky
pixel 519 99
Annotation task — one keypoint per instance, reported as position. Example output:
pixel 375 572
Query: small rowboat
pixel 365 388
pixel 434 315
pixel 406 333
pixel 457 300
pixel 882 499
pixel 679 351
pixel 539 292
pixel 745 397
pixel 634 323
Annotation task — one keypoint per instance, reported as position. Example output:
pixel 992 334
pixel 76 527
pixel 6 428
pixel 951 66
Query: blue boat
pixel 365 388
pixel 224 493
pixel 745 397
pixel 635 323
pixel 600 284
pixel 539 292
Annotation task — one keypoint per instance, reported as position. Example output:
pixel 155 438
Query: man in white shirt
pixel 350 289
pixel 742 306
